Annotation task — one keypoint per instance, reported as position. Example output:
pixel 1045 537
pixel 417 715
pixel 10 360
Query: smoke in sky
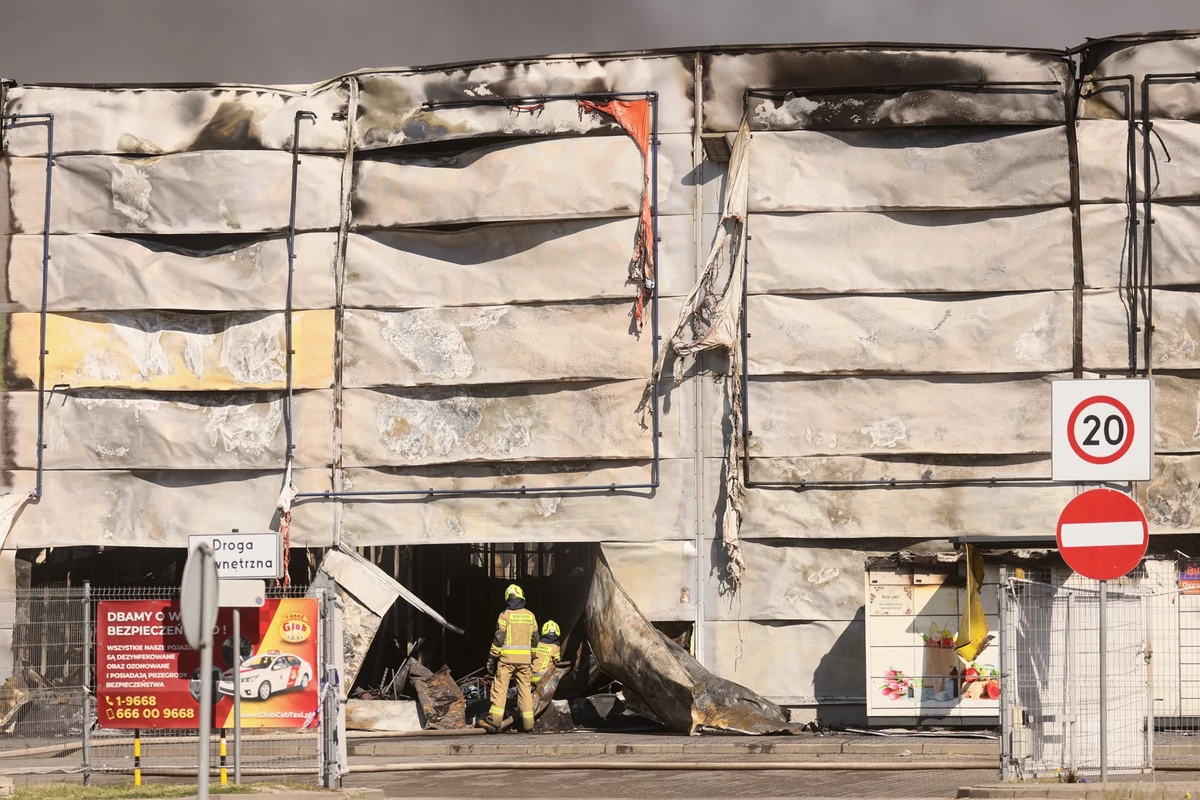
pixel 301 41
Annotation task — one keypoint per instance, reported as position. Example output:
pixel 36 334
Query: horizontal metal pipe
pixel 964 86
pixel 532 98
pixel 898 483
pixel 672 766
pixel 612 487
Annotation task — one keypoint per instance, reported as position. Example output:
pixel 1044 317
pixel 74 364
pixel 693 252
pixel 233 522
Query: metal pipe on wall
pixel 287 309
pixel 41 387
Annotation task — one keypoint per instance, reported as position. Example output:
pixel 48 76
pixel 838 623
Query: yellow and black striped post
pixel 224 774
pixel 137 757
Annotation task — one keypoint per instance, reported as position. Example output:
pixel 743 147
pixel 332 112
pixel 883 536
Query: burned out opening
pixel 465 583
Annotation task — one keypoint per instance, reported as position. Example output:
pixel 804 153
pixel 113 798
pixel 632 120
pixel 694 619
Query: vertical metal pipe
pixel 137 757
pixel 1007 696
pixel 699 437
pixel 237 696
pixel 654 332
pixel 291 242
pixel 1147 225
pixel 223 753
pixel 41 387
pixel 87 683
pixel 1103 682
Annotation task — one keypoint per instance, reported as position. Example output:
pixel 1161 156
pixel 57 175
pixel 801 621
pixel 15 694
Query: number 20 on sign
pixel 1102 430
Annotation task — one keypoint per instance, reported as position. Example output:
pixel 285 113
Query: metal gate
pixel 1050 673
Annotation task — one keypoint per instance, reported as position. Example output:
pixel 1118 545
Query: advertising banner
pixel 148 677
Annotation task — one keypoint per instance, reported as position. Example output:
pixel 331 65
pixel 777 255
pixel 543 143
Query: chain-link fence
pixel 1050 653
pixel 82 699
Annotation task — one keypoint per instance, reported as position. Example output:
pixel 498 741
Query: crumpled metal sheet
pixel 852 416
pixel 430 426
pixel 221 191
pixel 589 177
pixel 822 171
pixel 493 345
pixel 159 508
pixel 566 517
pixel 682 694
pixel 390 101
pixel 1176 232
pixel 1128 55
pixel 102 273
pixel 941 251
pixel 729 74
pixel 122 429
pixel 527 262
pixel 1028 332
pixel 158 121
pixel 442 703
pixel 172 352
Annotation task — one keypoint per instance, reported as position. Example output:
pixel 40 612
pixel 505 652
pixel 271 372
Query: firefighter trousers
pixel 523 673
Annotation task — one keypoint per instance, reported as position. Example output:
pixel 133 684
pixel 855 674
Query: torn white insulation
pixel 492 345
pixel 151 122
pixel 729 74
pixel 715 304
pixel 121 429
pixel 105 273
pixel 10 505
pixel 221 191
pixel 854 415
pixel 833 335
pixel 431 426
pixel 910 251
pixel 932 168
pixel 158 508
pixel 542 179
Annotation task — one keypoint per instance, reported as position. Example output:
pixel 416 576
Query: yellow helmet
pixel 551 627
pixel 513 591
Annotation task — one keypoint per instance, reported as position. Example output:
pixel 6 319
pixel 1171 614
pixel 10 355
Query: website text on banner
pixel 148 677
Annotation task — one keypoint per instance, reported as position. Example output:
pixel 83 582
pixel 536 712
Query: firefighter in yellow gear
pixel 547 651
pixel 511 656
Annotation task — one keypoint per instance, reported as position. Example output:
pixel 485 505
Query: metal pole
pixel 1103 683
pixel 204 754
pixel 1006 682
pixel 237 697
pixel 87 683
pixel 291 243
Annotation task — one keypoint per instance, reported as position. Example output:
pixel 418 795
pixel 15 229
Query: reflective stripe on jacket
pixel 544 655
pixel 516 636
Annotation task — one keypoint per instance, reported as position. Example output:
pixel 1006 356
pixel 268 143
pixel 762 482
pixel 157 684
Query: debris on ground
pixel 441 702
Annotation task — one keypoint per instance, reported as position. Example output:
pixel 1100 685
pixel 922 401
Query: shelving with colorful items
pixel 945 677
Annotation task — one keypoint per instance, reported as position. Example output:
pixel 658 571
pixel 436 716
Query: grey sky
pixel 300 41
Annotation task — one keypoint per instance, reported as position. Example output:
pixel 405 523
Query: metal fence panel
pixel 1051 665
pixel 52 691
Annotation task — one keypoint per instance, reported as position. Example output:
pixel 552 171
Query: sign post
pixel 1102 534
pixel 235 594
pixel 198 615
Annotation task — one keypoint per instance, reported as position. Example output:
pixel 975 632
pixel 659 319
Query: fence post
pixel 329 697
pixel 1006 683
pixel 87 683
pixel 1147 605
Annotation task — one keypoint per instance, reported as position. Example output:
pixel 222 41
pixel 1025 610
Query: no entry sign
pixel 1102 534
pixel 1102 430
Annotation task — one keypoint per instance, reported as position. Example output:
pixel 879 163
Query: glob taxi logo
pixel 295 628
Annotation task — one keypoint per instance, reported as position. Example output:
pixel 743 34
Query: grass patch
pixel 64 791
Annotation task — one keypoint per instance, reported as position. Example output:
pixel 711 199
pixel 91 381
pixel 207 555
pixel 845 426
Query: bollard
pixel 137 756
pixel 224 773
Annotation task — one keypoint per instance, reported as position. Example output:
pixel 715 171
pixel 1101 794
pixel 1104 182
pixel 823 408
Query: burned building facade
pixel 473 321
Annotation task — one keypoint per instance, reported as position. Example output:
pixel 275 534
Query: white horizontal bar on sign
pixel 898 169
pixel 1102 534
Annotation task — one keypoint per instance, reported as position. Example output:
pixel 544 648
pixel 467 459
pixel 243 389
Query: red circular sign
pixel 1124 436
pixel 1102 534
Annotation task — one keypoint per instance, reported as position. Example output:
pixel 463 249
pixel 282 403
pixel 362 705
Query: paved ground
pixel 628 784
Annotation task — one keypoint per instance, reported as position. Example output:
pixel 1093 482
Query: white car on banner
pixel 267 673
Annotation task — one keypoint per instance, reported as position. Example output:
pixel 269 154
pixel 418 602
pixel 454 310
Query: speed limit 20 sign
pixel 1103 430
